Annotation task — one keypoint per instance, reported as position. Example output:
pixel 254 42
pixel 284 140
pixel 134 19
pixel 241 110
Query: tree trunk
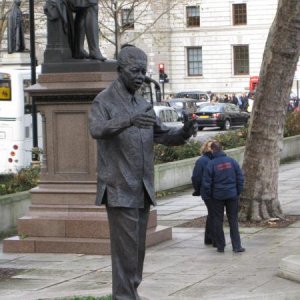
pixel 259 199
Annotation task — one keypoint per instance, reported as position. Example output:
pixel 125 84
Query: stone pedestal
pixel 62 217
pixel 16 58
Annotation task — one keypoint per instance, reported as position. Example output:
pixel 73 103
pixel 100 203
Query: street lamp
pixel 33 78
pixel 116 27
pixel 32 41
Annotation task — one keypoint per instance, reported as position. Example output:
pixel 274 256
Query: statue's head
pixel 132 67
pixel 18 2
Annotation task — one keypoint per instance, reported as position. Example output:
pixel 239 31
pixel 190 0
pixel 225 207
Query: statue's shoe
pixel 98 57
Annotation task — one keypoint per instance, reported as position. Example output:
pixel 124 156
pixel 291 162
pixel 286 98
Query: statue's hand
pixel 143 119
pixel 190 128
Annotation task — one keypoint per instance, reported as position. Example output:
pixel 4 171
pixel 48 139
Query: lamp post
pixel 33 80
pixel 116 27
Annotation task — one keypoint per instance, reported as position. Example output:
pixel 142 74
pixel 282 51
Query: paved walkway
pixel 182 268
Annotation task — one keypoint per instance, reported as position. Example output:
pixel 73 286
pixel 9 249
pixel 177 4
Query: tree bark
pixel 259 199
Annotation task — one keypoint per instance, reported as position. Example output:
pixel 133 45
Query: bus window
pixel 15 122
pixel 27 99
pixel 5 87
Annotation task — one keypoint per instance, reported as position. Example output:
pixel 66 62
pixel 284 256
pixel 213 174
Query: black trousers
pixel 209 225
pixel 128 228
pixel 231 206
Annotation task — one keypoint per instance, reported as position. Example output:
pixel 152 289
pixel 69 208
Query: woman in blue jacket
pixel 197 180
pixel 222 183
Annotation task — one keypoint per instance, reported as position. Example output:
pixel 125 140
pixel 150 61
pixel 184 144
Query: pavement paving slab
pixel 179 269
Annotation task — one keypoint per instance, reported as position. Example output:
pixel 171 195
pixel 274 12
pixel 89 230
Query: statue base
pixel 16 58
pixel 62 217
pixel 80 65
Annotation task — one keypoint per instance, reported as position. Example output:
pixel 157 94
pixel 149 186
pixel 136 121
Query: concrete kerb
pixel 289 268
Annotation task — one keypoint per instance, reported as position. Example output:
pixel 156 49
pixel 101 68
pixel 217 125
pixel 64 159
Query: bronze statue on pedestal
pixel 15 29
pixel 69 22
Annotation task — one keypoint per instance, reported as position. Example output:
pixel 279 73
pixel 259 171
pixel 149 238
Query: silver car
pixel 168 116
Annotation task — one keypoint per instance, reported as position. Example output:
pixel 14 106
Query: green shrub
pixel 24 180
pixel 292 124
pixel 28 178
pixel 163 154
pixel 233 139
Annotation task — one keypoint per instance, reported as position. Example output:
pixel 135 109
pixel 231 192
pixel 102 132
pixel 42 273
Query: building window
pixel 193 16
pixel 239 14
pixel 241 60
pixel 194 61
pixel 127 18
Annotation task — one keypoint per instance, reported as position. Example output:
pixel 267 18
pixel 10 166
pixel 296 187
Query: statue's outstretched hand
pixel 144 119
pixel 190 128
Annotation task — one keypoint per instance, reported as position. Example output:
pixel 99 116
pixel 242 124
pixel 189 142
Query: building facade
pixel 207 45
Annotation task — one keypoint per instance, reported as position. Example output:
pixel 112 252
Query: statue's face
pixel 133 74
pixel 18 2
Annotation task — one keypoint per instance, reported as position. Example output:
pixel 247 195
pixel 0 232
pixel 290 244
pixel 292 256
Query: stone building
pixel 208 45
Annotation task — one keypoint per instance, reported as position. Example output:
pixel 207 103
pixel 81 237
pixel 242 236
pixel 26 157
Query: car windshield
pixel 210 108
pixel 201 105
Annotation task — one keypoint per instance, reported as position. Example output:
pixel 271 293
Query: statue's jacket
pixel 125 169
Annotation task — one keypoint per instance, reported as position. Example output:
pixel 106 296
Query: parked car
pixel 168 115
pixel 184 105
pixel 162 103
pixel 224 115
pixel 197 95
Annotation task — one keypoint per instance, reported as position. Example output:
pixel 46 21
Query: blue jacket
pixel 223 178
pixel 198 172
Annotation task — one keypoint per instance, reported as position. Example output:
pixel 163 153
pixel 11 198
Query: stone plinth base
pixel 73 235
pixel 16 58
pixel 64 220
pixel 289 268
pixel 80 65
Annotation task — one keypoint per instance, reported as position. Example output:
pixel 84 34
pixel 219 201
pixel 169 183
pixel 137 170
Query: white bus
pixel 15 119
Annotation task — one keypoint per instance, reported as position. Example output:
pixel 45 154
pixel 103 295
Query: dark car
pixel 189 106
pixel 224 115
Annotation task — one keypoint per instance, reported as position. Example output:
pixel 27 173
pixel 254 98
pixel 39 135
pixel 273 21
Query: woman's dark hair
pixel 216 146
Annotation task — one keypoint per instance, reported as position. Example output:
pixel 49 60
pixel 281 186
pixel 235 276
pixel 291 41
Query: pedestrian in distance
pixel 197 177
pixel 223 183
pixel 125 127
pixel 235 100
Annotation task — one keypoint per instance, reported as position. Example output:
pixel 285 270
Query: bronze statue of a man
pixel 86 25
pixel 66 30
pixel 15 29
pixel 126 128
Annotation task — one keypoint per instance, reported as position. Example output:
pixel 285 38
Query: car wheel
pixel 227 125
